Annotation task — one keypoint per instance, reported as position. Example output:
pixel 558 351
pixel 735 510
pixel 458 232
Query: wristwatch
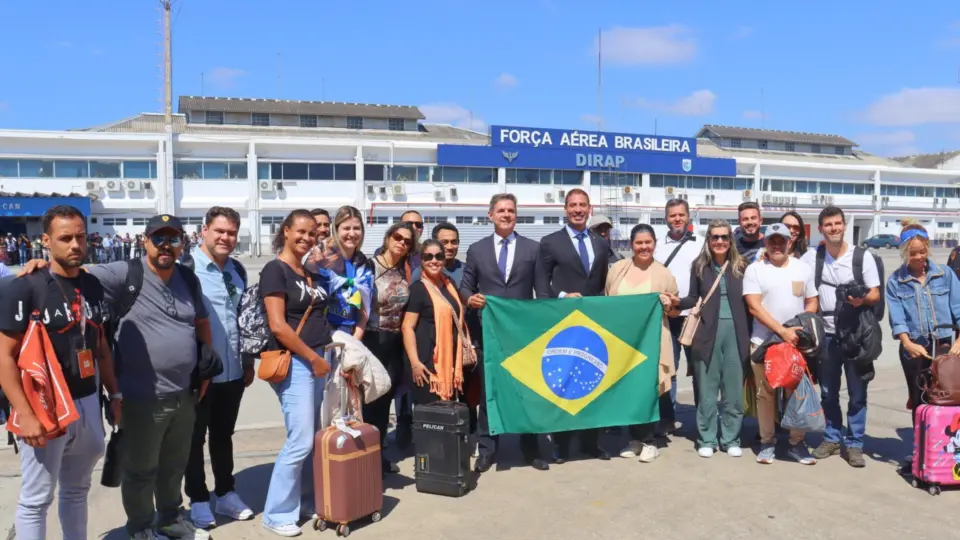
pixel 118 395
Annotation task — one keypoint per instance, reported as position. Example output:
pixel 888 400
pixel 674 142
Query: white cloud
pixel 755 114
pixel 224 77
pixel 742 32
pixel 506 81
pixel 453 114
pixel 915 106
pixel 660 45
pixel 699 103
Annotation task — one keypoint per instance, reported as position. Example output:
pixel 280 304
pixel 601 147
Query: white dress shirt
pixel 576 244
pixel 681 264
pixel 511 251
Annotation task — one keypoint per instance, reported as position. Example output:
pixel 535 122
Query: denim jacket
pixel 918 309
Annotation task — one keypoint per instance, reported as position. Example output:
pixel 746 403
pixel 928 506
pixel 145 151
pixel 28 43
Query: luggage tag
pixel 342 426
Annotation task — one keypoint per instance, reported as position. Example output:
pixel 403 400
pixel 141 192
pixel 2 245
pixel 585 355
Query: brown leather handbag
pixel 275 365
pixel 692 321
pixel 944 389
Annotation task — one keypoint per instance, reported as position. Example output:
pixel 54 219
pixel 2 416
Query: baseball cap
pixel 163 221
pixel 777 229
pixel 600 219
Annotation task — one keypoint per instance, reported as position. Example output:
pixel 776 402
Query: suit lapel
pixel 491 247
pixel 597 248
pixel 572 250
pixel 516 258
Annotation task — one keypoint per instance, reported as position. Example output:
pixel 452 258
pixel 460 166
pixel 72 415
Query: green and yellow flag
pixel 572 363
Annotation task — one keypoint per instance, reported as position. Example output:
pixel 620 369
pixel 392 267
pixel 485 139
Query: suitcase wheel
pixel 915 482
pixel 933 490
pixel 320 525
pixel 343 530
pixel 375 517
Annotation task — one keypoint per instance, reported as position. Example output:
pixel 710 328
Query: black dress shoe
pixel 539 464
pixel 483 464
pixel 559 457
pixel 598 453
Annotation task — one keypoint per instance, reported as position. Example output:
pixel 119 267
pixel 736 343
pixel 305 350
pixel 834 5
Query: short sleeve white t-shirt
pixel 681 264
pixel 838 272
pixel 783 291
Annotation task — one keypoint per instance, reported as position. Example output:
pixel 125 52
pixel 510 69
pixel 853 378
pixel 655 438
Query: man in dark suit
pixel 502 264
pixel 574 262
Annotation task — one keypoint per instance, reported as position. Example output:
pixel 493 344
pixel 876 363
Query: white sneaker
pixel 289 530
pixel 632 450
pixel 649 453
pixel 201 516
pixel 705 452
pixel 735 451
pixel 233 507
pixel 181 528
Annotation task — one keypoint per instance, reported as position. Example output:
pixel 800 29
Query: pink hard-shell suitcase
pixel 936 439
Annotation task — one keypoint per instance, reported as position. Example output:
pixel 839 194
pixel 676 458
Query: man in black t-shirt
pixel 748 238
pixel 71 305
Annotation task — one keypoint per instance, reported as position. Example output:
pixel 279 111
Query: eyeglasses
pixel 719 237
pixel 397 237
pixel 159 239
pixel 427 257
pixel 417 224
pixel 793 228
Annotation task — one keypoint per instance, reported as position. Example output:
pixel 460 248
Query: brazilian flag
pixel 571 363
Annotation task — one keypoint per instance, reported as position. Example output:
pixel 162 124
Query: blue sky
pixel 884 75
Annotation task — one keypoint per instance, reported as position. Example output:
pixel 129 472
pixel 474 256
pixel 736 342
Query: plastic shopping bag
pixel 803 411
pixel 784 365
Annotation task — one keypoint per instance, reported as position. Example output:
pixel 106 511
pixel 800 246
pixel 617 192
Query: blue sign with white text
pixel 36 206
pixel 452 155
pixel 590 140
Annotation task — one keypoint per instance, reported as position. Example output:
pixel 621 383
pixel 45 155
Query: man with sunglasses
pixel 158 317
pixel 223 281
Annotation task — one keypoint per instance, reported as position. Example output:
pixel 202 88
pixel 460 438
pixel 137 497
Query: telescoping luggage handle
pixel 331 352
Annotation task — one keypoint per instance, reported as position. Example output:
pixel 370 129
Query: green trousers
pixel 156 447
pixel 723 375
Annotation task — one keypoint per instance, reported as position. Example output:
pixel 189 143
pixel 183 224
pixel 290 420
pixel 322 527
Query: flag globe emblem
pixel 574 362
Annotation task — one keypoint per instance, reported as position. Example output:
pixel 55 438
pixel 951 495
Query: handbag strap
pixel 716 282
pixel 303 320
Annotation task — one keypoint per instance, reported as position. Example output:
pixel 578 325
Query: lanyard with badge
pixel 84 354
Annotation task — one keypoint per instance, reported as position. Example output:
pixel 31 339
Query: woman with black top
pixel 432 327
pixel 288 290
pixel 390 293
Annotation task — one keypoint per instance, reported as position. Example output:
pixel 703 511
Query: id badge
pixel 85 362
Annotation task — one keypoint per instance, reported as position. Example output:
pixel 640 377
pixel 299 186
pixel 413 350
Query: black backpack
pixel 879 309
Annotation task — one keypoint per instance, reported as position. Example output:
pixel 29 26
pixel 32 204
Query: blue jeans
pixel 300 397
pixel 831 366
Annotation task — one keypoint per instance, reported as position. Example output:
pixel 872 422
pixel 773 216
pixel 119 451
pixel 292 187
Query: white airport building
pixel 267 157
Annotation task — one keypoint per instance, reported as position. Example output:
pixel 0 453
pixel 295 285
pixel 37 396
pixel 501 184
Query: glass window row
pixel 700 182
pixel 210 170
pixel 918 191
pixel 544 176
pixel 66 168
pixel 306 171
pixel 810 186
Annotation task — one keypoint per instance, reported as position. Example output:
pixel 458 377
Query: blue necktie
pixel 502 261
pixel 584 256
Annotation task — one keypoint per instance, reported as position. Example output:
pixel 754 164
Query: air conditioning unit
pixel 548 196
pixel 148 185
pixel 453 193
pixel 382 190
pixel 747 193
pixel 767 198
pixel 92 186
pixel 561 194
pixel 134 185
pixel 267 185
pixel 438 194
pixel 943 203
pixel 371 190
pixel 682 196
pixel 669 190
pixel 398 190
pixel 113 185
pixel 626 190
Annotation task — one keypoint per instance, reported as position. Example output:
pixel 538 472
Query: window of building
pixel 373 173
pixel 433 220
pixel 525 220
pixel 838 150
pixel 320 171
pixel 474 175
pixel 271 220
pixel 188 170
pixel 306 171
pixel 354 122
pixel 214 170
pixel 36 168
pixel 568 178
pixel 215 118
pixel 344 171
pixel 815 148
pixel 260 119
pixel 379 220
pixel 566 220
pixel 395 124
pixel 704 221
pixel 481 175
pixel 9 168
pixel 71 169
pixel 790 147
pixel 139 222
pixel 944 224
pixel 296 171
pixel 629 220
pixel 658 221
pixel 736 143
pixel 551 220
pixel 237 171
pixel 308 120
pixel 483 220
pixel 105 169
pixel 113 222
pixel 700 182
pixel 409 173
pixel 762 145
pixel 464 220
pixel 544 176
pixel 605 178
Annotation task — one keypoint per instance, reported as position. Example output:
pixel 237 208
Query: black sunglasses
pixel 417 224
pixel 427 257
pixel 718 237
pixel 159 239
pixel 397 237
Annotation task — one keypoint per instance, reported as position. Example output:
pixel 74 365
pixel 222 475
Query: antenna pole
pixel 167 68
pixel 599 79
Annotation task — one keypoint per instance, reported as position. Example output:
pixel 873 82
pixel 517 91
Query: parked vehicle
pixel 888 241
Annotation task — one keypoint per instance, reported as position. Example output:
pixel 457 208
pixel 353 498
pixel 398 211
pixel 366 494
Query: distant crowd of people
pixel 138 341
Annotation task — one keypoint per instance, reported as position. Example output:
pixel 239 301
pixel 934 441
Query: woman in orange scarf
pixel 432 330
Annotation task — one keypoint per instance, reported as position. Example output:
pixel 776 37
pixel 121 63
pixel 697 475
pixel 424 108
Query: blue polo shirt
pixel 221 301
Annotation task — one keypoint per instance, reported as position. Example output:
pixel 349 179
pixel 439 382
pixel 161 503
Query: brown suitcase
pixel 347 470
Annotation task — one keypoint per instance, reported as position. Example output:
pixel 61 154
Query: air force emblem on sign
pixel 510 156
pixel 687 165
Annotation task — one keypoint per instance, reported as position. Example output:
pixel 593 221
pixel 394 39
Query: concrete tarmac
pixel 680 495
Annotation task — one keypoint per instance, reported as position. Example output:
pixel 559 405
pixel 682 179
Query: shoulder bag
pixel 469 354
pixel 692 322
pixel 275 365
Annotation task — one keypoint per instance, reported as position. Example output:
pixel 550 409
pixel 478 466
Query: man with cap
pixel 161 317
pixel 603 226
pixel 777 288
